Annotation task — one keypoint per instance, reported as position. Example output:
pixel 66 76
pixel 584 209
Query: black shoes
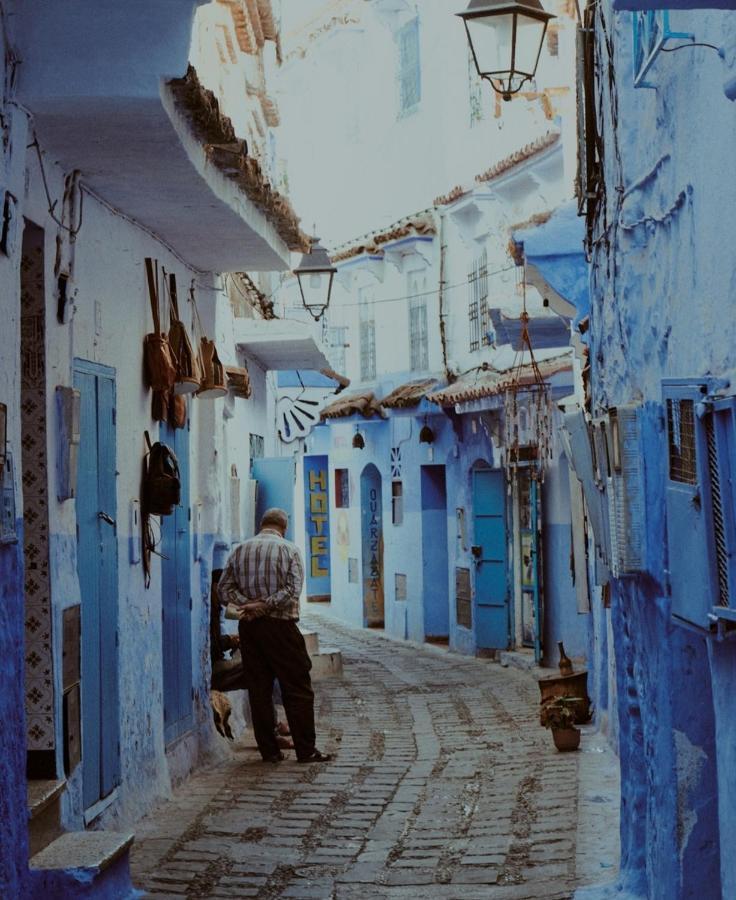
pixel 276 758
pixel 316 757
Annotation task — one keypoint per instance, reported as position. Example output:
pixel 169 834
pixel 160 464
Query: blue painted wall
pixel 659 297
pixel 13 806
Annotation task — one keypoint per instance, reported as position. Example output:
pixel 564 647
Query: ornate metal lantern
pixel 315 274
pixel 506 40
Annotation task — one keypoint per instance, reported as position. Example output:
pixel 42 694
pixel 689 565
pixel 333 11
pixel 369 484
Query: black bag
pixel 161 482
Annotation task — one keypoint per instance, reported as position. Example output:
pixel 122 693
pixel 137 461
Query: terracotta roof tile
pixel 409 394
pixel 421 224
pixel 364 403
pixel 478 384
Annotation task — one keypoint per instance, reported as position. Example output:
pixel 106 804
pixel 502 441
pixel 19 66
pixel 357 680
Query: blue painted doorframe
pixel 176 598
pixel 435 590
pixel 97 566
pixel 490 550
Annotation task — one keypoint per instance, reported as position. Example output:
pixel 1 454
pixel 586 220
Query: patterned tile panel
pixel 39 684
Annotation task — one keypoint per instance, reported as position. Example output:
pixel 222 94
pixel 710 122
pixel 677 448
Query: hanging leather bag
pixel 188 373
pixel 213 383
pixel 158 360
pixel 213 380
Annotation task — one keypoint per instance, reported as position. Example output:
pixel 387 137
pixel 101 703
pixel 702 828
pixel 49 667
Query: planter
pixel 575 685
pixel 566 739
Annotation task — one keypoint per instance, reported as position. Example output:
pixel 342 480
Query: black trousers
pixel 275 648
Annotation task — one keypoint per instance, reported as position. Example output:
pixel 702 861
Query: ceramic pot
pixel 566 739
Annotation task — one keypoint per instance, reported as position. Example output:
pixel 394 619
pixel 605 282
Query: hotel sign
pixel 317 527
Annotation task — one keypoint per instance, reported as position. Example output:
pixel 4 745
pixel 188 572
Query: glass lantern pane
pixel 491 37
pixel 529 37
pixel 314 288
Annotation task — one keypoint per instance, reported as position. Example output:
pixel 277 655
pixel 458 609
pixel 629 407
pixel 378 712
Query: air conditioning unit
pixel 626 500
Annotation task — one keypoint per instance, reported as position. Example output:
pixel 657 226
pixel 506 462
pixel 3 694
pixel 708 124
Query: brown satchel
pixel 213 380
pixel 158 360
pixel 188 373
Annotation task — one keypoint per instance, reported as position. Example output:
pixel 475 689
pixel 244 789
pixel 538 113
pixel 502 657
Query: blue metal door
pixel 97 566
pixel 435 588
pixel 276 477
pixel 176 599
pixel 492 619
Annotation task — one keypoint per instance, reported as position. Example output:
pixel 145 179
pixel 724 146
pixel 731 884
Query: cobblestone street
pixel 444 785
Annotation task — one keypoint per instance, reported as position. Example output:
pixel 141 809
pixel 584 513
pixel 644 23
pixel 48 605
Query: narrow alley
pixel 443 785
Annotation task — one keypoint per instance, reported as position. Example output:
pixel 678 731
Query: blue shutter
pixel 692 577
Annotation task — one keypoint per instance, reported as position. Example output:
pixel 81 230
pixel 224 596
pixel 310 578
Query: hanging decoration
pixel 527 402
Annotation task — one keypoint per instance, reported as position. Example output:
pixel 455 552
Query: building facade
pixel 124 176
pixel 425 198
pixel 658 132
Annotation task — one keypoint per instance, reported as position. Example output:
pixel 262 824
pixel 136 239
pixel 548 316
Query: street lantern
pixel 315 274
pixel 506 39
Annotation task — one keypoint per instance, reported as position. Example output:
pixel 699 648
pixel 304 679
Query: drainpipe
pixel 450 376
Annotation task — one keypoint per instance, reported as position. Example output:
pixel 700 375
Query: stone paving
pixel 443 786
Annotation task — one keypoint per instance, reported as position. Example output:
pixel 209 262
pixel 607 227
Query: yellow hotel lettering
pixel 318 509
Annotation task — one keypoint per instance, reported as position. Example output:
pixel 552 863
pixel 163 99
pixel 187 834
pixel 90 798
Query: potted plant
pixel 559 714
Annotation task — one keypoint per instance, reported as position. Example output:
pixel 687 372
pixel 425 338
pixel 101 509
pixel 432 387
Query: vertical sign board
pixel 317 528
pixel 372 540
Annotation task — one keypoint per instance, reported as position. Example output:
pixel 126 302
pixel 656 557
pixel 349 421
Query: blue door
pixel 371 519
pixel 492 619
pixel 435 587
pixel 275 477
pixel 176 600
pixel 97 566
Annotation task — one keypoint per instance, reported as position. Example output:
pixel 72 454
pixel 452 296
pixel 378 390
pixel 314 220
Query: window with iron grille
pixel 256 448
pixel 342 488
pixel 410 78
pixel 338 341
pixel 397 502
pixel 418 336
pixel 479 314
pixel 367 335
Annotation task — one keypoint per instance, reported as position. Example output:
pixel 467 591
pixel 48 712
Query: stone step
pixel 311 639
pixel 325 664
pixel 84 864
pixel 44 813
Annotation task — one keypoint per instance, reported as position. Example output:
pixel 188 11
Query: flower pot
pixel 566 739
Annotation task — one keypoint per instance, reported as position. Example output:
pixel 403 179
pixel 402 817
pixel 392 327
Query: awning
pixel 97 77
pixel 280 345
pixel 479 384
pixel 556 263
pixel 365 404
pixel 409 395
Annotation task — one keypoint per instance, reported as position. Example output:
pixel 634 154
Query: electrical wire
pixel 719 50
pixel 52 204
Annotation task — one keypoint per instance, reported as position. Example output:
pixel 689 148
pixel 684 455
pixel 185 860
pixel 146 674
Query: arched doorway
pixel 371 518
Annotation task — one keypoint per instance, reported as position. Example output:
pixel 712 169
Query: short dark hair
pixel 275 517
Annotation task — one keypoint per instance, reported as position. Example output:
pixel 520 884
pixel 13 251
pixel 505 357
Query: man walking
pixel 264 577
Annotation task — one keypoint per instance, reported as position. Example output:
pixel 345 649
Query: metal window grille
pixel 410 84
pixel 397 502
pixel 719 519
pixel 396 462
pixel 681 439
pixel 479 314
pixel 342 488
pixel 257 449
pixel 463 598
pixel 338 341
pixel 418 335
pixel 367 351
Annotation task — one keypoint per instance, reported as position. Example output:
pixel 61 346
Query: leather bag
pixel 188 372
pixel 158 360
pixel 213 372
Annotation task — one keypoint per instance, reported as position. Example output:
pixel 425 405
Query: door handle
pixel 105 518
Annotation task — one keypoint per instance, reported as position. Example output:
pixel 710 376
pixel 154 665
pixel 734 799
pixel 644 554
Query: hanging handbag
pixel 158 360
pixel 213 378
pixel 188 374
pixel 213 382
pixel 177 410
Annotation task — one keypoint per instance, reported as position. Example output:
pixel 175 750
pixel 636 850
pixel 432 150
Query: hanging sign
pixel 317 527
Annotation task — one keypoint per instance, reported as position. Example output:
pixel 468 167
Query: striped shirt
pixel 268 568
